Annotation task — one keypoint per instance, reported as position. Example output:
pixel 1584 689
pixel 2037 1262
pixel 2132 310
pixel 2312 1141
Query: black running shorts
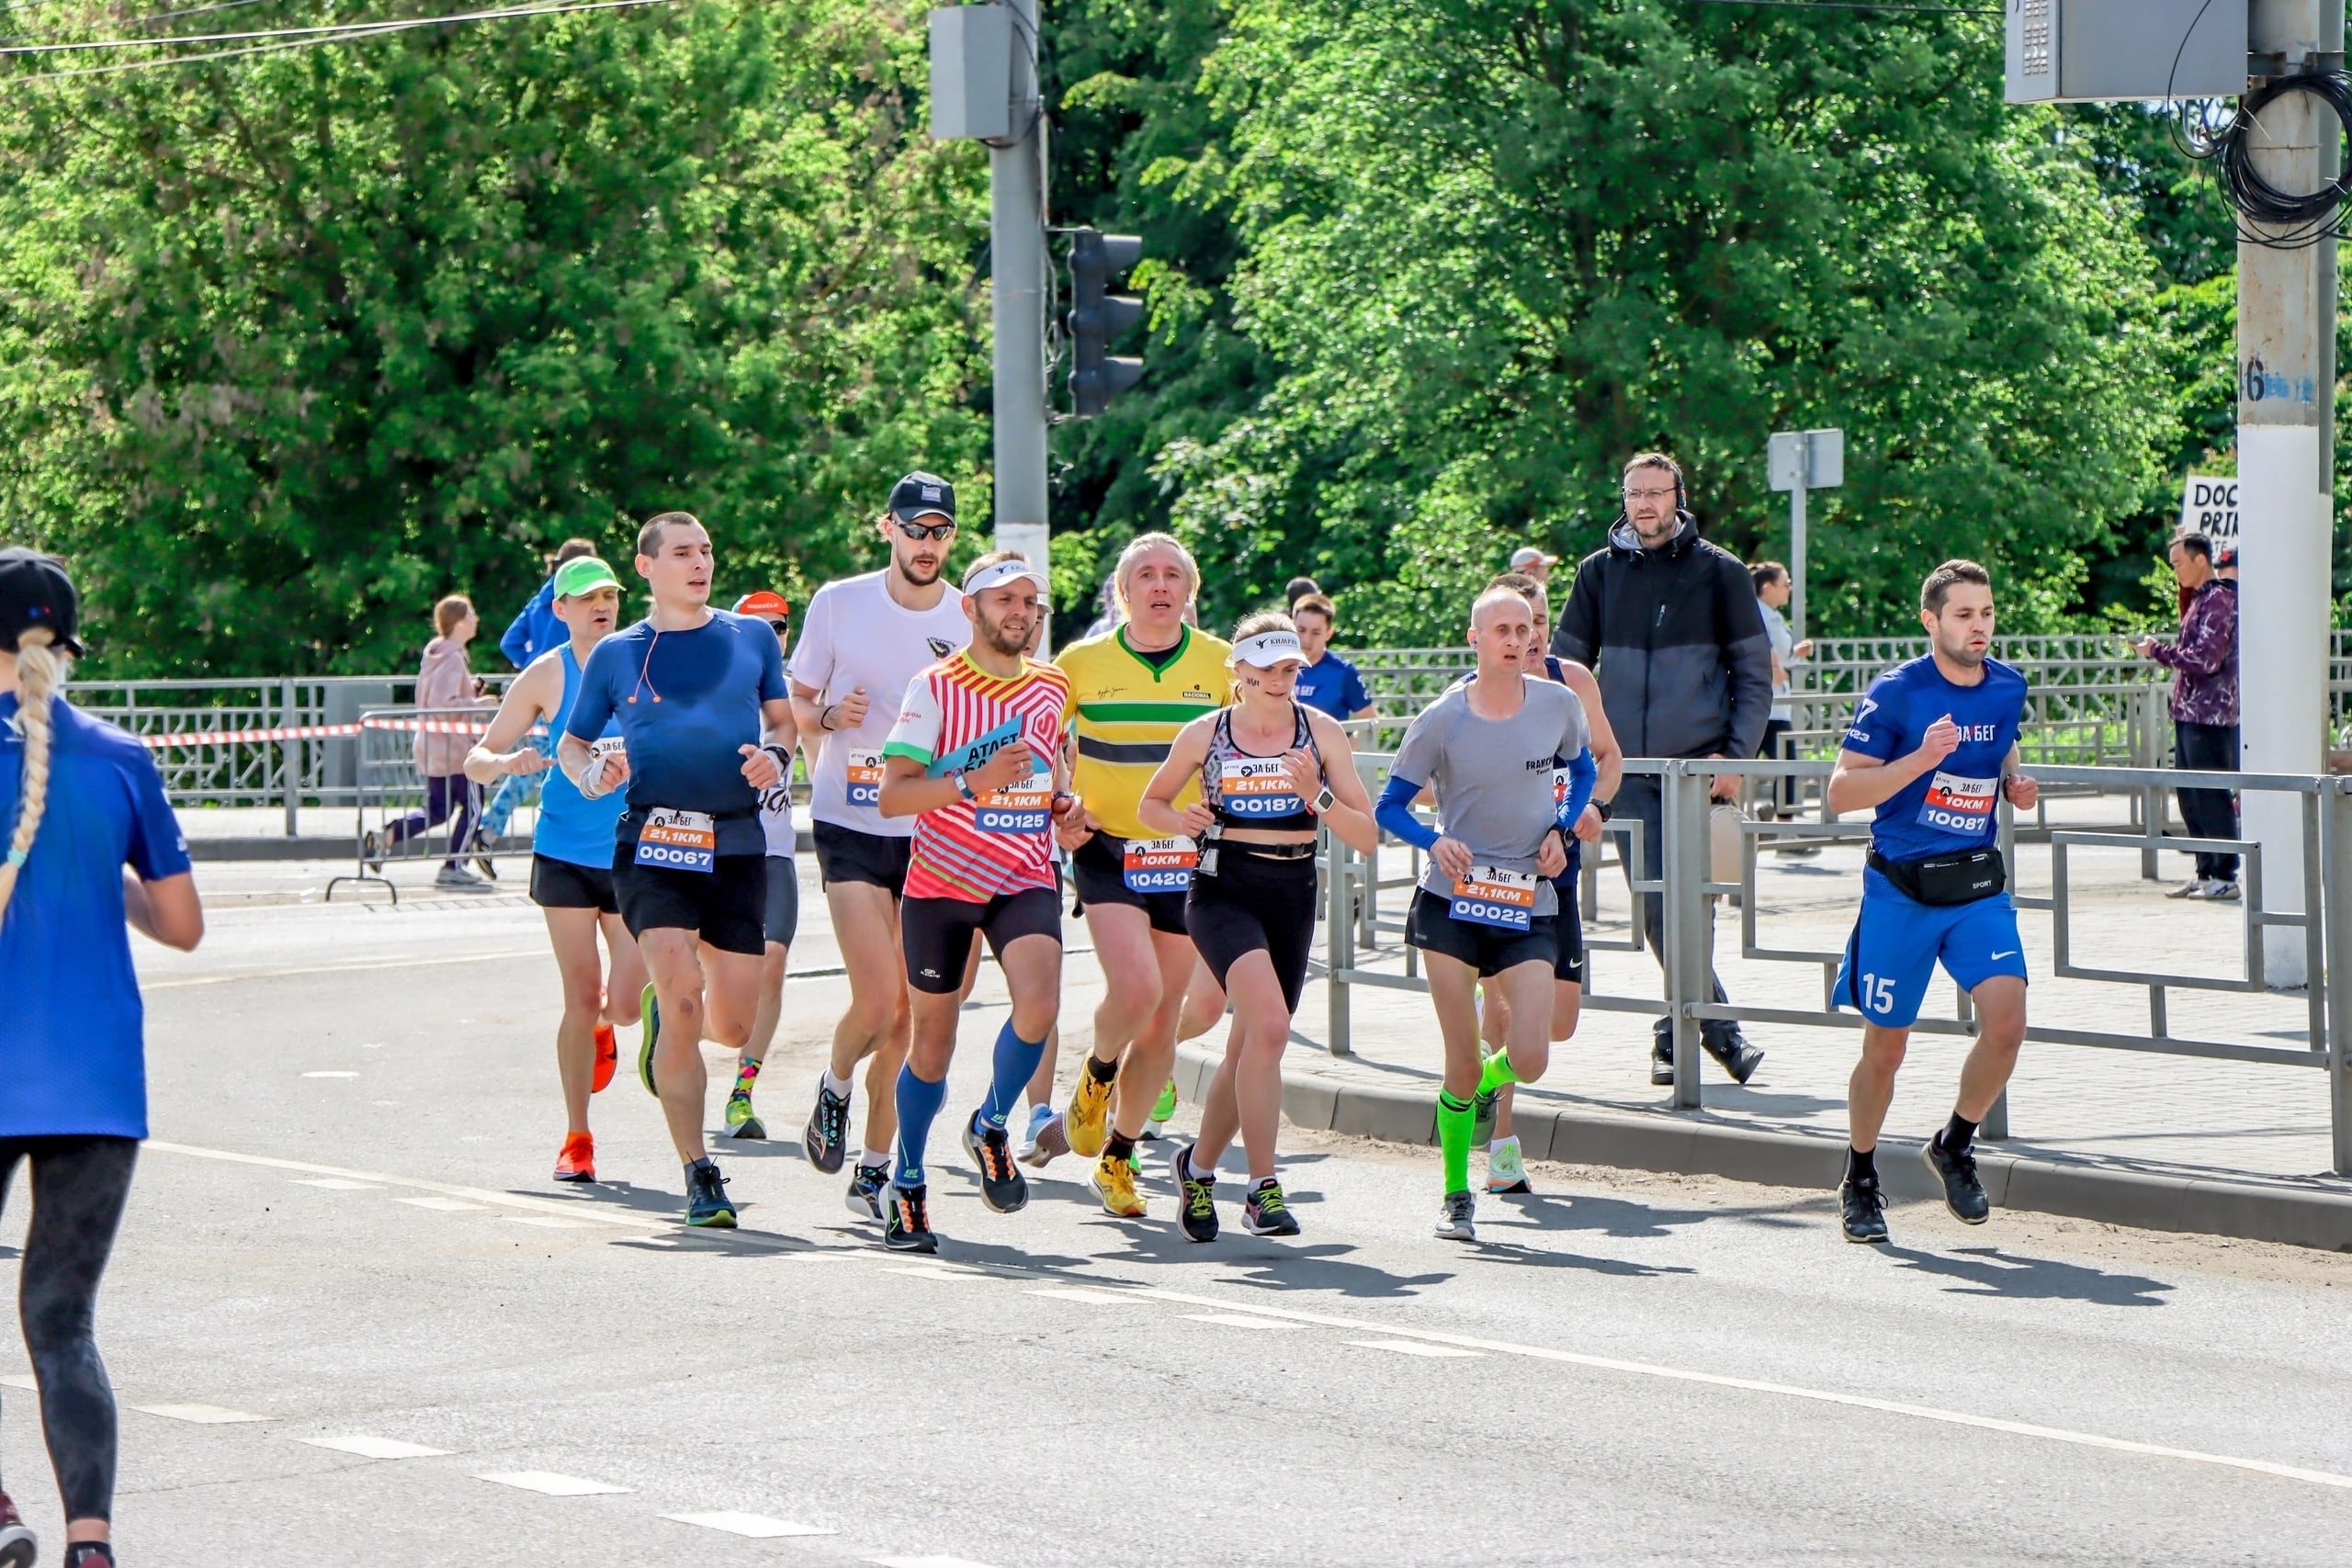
pixel 724 905
pixel 845 854
pixel 937 933
pixel 782 917
pixel 1255 903
pixel 562 884
pixel 1567 960
pixel 1489 949
pixel 1099 867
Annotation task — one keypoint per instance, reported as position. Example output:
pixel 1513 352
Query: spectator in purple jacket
pixel 2204 708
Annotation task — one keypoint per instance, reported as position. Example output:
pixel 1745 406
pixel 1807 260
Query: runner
pixel 862 640
pixel 571 853
pixel 1505 1169
pixel 1135 688
pixel 1268 768
pixel 1488 907
pixel 79 801
pixel 1933 747
pixel 704 712
pixel 976 758
pixel 781 919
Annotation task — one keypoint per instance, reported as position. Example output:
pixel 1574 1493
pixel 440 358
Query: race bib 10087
pixel 682 840
pixel 1959 806
pixel 1161 866
pixel 1024 808
pixel 866 778
pixel 1258 786
pixel 1490 896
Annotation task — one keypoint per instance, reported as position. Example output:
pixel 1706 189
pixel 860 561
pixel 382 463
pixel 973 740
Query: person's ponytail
pixel 40 672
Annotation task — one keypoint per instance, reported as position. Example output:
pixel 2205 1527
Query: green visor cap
pixel 583 574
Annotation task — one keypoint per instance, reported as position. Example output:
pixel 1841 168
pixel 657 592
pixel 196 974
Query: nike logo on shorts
pixel 2011 953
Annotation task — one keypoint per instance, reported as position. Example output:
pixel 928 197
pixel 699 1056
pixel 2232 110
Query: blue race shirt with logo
pixel 73 1028
pixel 1332 684
pixel 684 748
pixel 1955 805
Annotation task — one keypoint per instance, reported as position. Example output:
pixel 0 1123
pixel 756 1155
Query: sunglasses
pixel 925 530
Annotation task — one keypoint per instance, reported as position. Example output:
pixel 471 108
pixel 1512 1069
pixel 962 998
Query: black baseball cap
pixel 35 591
pixel 918 493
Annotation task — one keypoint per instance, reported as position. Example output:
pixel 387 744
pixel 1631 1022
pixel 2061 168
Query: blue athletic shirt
pixel 72 1029
pixel 1955 805
pixel 571 826
pixel 682 748
pixel 1332 684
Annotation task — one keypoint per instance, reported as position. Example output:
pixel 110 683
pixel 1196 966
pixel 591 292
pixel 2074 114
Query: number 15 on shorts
pixel 1875 996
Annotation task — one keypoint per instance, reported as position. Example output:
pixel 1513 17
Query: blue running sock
pixel 918 1104
pixel 1016 1063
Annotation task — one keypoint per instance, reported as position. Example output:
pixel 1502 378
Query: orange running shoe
pixel 609 1055
pixel 578 1160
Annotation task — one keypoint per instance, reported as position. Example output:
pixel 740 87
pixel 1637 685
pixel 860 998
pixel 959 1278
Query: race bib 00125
pixel 1959 806
pixel 866 778
pixel 1257 786
pixel 1161 866
pixel 682 841
pixel 1490 896
pixel 1024 808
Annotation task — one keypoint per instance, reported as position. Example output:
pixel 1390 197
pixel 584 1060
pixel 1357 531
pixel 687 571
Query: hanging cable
pixel 336 30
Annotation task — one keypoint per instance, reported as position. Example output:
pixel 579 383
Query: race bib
pixel 866 778
pixel 1958 805
pixel 1161 865
pixel 682 840
pixel 1492 896
pixel 1024 808
pixel 1258 786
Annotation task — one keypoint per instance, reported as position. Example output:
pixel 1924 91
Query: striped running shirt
pixel 957 715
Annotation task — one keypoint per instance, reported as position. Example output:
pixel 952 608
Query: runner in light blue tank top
pixel 571 826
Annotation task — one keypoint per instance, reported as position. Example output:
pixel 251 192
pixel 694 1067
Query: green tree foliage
pixel 290 345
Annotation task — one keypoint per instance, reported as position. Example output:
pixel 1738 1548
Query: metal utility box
pixel 2101 51
pixel 971 73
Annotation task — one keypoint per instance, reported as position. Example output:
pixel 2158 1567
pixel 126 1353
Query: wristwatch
pixel 1601 806
pixel 1322 802
pixel 962 788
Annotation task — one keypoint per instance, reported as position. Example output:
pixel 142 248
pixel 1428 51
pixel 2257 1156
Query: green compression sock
pixel 1496 1073
pixel 1454 1123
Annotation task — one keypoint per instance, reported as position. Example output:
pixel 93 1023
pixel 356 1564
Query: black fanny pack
pixel 1960 878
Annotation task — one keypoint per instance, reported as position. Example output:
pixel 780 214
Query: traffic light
pixel 1097 316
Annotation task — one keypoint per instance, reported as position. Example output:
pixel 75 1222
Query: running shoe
pixel 578 1160
pixel 1456 1221
pixel 1963 1194
pixel 1732 1051
pixel 826 1138
pixel 1003 1187
pixel 906 1220
pixel 1113 1181
pixel 1482 1106
pixel 372 851
pixel 1051 1143
pixel 17 1546
pixel 1198 1194
pixel 1162 1110
pixel 1862 1210
pixel 1265 1212
pixel 742 1121
pixel 608 1057
pixel 650 1010
pixel 1024 1147
pixel 1087 1121
pixel 864 1196
pixel 1506 1172
pixel 2192 888
pixel 707 1202
pixel 456 876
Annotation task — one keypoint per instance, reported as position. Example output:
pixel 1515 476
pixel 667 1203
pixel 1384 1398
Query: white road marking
pixel 549 1222
pixel 926 1563
pixel 1413 1347
pixel 554 1485
pixel 924 1272
pixel 441 1206
pixel 754 1525
pixel 374 1448
pixel 592 1213
pixel 1240 1320
pixel 335 1184
pixel 330 1075
pixel 1091 1297
pixel 146 984
pixel 19 1380
pixel 202 1414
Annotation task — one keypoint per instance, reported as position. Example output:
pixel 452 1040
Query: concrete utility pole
pixel 2287 309
pixel 1017 245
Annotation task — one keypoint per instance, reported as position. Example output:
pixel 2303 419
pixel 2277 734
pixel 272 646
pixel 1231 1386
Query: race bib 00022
pixel 682 841
pixel 1257 786
pixel 1959 806
pixel 1024 808
pixel 1161 866
pixel 1490 896
pixel 866 778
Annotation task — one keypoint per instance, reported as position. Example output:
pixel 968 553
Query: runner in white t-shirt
pixel 863 641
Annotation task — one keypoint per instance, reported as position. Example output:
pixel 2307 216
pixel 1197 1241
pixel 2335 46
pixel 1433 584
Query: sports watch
pixel 1322 802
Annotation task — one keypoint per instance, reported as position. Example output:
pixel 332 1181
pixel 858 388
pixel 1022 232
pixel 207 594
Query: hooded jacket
pixel 444 681
pixel 1674 639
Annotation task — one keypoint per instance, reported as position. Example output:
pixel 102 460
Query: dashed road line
pixel 1238 1320
pixel 1413 1347
pixel 554 1485
pixel 374 1448
pixel 336 1184
pixel 757 1526
pixel 202 1414
pixel 146 984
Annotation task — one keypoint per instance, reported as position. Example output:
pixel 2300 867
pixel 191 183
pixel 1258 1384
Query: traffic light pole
pixel 1017 246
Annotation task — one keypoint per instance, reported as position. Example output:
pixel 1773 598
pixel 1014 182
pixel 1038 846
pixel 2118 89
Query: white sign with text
pixel 2208 505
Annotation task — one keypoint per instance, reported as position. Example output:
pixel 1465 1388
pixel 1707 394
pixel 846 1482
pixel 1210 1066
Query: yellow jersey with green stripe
pixel 1129 712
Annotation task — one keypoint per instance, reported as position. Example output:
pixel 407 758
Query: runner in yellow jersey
pixel 1135 688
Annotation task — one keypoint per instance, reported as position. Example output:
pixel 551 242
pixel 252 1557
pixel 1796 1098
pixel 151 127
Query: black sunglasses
pixel 925 530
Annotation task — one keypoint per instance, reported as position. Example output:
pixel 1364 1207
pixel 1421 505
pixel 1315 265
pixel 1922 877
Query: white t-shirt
pixel 776 818
pixel 855 635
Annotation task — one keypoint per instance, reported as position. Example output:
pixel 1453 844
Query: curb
pixel 1692 1147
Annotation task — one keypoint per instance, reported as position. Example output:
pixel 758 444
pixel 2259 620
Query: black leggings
pixel 79 1189
pixel 1255 905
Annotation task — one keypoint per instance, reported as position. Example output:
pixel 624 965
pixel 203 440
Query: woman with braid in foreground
pixel 80 801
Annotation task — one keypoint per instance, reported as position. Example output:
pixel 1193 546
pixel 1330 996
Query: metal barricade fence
pixel 398 824
pixel 2320 884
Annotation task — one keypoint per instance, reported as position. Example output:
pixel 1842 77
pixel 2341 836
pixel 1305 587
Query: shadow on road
pixel 1611 1216
pixel 1989 1272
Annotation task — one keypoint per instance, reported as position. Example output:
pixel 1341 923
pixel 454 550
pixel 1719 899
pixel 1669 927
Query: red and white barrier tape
pixel 313 732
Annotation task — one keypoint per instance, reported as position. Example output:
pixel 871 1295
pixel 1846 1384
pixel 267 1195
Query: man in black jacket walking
pixel 1669 625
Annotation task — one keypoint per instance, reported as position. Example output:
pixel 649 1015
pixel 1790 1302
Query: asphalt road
pixel 344 1237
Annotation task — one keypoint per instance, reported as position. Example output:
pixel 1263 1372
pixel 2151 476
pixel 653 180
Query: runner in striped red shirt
pixel 976 757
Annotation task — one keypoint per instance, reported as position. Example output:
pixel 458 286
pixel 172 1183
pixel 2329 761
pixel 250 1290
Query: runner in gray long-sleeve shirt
pixel 1669 625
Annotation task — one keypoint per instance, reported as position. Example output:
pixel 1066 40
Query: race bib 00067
pixel 1161 866
pixel 1257 786
pixel 682 841
pixel 1959 806
pixel 866 778
pixel 1490 896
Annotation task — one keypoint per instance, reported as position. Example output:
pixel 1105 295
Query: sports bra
pixel 1248 791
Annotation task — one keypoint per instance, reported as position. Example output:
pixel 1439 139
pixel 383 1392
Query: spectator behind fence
pixel 1668 623
pixel 443 683
pixel 1327 682
pixel 1771 580
pixel 2204 708
pixel 535 629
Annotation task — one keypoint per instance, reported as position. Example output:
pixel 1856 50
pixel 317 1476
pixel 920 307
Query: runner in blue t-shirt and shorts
pixel 706 721
pixel 1934 747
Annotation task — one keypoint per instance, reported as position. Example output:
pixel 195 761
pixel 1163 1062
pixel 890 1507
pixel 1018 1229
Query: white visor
pixel 1268 649
pixel 996 574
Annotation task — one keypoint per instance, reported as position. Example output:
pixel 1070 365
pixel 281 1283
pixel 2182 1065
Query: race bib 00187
pixel 682 841
pixel 1258 786
pixel 1161 866
pixel 1959 806
pixel 1024 808
pixel 866 778
pixel 1490 896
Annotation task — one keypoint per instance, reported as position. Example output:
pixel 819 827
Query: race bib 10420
pixel 1959 806
pixel 1490 896
pixel 1024 807
pixel 1161 866
pixel 866 778
pixel 1257 786
pixel 682 840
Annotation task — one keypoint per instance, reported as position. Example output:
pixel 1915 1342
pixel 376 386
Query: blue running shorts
pixel 1898 940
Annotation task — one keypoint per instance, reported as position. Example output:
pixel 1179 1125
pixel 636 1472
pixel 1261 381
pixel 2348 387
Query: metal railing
pixel 391 788
pixel 2320 884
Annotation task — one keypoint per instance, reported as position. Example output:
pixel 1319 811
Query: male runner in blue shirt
pixel 1933 747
